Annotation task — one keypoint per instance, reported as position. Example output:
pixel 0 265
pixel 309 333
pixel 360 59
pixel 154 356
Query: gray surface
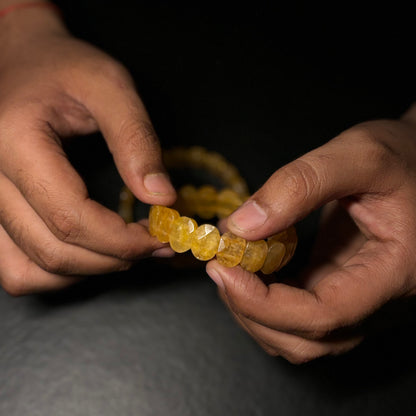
pixel 261 86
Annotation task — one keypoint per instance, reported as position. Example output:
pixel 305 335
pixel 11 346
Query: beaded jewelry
pixel 205 241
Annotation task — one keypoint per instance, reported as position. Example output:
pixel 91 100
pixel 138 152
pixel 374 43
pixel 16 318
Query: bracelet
pixel 205 241
pixel 9 9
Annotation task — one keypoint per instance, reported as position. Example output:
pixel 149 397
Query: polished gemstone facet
pixel 230 250
pixel 180 237
pixel 160 222
pixel 254 255
pixel 274 257
pixel 205 241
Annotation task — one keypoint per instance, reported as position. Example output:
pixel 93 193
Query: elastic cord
pixel 27 5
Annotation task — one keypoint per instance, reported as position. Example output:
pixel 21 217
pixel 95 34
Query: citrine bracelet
pixel 205 241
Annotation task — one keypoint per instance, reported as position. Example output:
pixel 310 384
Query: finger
pixel 30 233
pixel 38 167
pixel 296 349
pixel 126 126
pixel 343 298
pixel 350 164
pixel 20 276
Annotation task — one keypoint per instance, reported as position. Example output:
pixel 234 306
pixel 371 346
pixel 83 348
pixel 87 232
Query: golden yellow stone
pixel 160 222
pixel 231 250
pixel 205 241
pixel 254 255
pixel 291 242
pixel 180 237
pixel 227 202
pixel 154 219
pixel 206 202
pixel 275 254
pixel 186 201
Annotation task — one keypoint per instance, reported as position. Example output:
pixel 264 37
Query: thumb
pixel 131 138
pixel 350 164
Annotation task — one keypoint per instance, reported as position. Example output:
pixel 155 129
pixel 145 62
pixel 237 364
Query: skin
pixel 54 86
pixel 364 257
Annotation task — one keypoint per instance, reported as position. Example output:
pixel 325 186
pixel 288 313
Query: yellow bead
pixel 154 219
pixel 180 236
pixel 205 241
pixel 291 241
pixel 227 202
pixel 206 202
pixel 275 254
pixel 254 255
pixel 160 222
pixel 187 199
pixel 230 250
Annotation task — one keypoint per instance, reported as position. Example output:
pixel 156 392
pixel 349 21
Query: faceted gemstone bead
pixel 160 222
pixel 254 255
pixel 205 241
pixel 154 214
pixel 230 250
pixel 275 254
pixel 206 202
pixel 180 237
pixel 289 238
pixel 227 202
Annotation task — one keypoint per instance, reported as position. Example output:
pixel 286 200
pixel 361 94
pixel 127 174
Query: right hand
pixel 54 86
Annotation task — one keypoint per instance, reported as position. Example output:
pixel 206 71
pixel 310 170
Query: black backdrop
pixel 260 84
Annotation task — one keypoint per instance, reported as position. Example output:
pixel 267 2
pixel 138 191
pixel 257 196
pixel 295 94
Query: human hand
pixel 364 255
pixel 54 86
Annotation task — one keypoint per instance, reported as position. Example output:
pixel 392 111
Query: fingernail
pixel 164 252
pixel 248 217
pixel 216 277
pixel 158 184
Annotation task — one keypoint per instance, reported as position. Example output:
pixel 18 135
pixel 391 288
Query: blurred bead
pixel 227 202
pixel 230 250
pixel 180 237
pixel 205 241
pixel 254 255
pixel 206 202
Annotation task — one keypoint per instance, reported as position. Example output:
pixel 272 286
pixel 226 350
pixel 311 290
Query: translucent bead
pixel 291 241
pixel 254 255
pixel 160 222
pixel 187 199
pixel 230 250
pixel 205 241
pixel 206 204
pixel 227 202
pixel 154 219
pixel 275 254
pixel 180 237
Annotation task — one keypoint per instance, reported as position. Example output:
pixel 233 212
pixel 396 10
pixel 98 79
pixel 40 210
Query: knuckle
pixel 14 281
pixel 14 286
pixel 50 260
pixel 301 179
pixel 377 152
pixel 115 72
pixel 66 225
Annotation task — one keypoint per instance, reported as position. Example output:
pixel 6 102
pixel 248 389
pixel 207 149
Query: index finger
pixel 38 167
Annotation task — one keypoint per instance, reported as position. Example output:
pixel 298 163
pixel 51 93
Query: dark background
pixel 261 84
